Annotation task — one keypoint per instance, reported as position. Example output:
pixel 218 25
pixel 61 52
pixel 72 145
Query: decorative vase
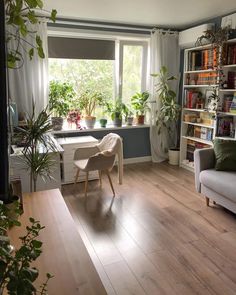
pixel 173 157
pixel 117 122
pixel 57 123
pixel 140 119
pixel 130 121
pixel 90 122
pixel 103 123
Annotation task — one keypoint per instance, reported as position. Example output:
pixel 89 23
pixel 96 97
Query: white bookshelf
pixel 188 126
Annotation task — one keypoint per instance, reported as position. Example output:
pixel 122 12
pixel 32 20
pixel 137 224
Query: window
pixel 133 68
pixel 91 65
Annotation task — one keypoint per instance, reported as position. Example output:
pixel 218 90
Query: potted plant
pixel 139 102
pixel 61 98
pixel 37 153
pixel 129 116
pixel 17 275
pixel 169 112
pixel 116 109
pixel 87 102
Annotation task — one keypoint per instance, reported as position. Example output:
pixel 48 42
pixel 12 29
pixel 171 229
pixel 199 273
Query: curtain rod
pixel 106 26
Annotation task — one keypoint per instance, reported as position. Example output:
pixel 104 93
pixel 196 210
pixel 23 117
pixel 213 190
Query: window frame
pixel 144 64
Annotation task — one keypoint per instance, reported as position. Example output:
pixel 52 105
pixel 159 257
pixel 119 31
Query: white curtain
pixel 30 82
pixel 164 51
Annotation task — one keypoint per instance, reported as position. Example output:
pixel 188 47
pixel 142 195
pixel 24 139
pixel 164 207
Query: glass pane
pixel 92 75
pixel 132 71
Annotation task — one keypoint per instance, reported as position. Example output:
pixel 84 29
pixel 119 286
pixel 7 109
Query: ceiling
pixel 164 13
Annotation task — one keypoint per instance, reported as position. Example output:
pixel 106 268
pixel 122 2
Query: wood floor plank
pixel 156 236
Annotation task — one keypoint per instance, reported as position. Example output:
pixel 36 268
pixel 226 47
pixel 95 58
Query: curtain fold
pixel 164 51
pixel 29 83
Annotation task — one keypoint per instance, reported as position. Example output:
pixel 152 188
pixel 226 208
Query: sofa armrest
pixel 203 159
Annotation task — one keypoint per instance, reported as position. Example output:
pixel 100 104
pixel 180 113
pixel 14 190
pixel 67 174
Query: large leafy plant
pixel 88 100
pixel 170 110
pixel 139 102
pixel 38 146
pixel 20 13
pixel 61 98
pixel 17 275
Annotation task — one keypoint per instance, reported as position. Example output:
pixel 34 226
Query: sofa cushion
pixel 222 182
pixel 225 152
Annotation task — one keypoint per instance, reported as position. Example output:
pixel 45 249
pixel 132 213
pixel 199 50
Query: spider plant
pixel 38 146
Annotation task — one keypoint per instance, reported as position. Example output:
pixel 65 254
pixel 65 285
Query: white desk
pixel 69 145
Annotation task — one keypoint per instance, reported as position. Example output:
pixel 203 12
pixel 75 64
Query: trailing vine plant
pixel 19 14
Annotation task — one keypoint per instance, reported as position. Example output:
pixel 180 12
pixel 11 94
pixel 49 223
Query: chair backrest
pixel 100 162
pixel 110 142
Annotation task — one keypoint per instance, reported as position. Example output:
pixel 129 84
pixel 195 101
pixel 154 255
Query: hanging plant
pixel 19 14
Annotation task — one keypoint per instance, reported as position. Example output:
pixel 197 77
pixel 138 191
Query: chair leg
pixel 109 178
pixel 86 184
pixel 100 177
pixel 76 177
pixel 207 201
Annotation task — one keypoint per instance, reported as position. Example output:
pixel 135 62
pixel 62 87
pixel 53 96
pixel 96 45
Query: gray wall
pixel 136 141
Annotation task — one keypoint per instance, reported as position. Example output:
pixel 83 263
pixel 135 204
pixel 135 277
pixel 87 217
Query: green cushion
pixel 225 152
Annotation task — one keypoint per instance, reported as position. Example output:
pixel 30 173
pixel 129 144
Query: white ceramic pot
pixel 90 122
pixel 174 156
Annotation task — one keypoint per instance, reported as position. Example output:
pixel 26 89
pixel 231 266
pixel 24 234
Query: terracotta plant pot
pixel 57 123
pixel 90 122
pixel 103 123
pixel 140 119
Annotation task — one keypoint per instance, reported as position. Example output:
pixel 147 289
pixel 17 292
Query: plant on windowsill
pixel 61 98
pixel 117 110
pixel 87 102
pixel 38 151
pixel 168 115
pixel 139 102
pixel 17 275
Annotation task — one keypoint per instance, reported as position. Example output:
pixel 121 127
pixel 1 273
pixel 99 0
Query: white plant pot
pixel 174 156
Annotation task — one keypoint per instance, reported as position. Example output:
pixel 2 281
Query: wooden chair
pixel 90 159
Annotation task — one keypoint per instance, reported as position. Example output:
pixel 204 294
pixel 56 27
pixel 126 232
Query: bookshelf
pixel 204 118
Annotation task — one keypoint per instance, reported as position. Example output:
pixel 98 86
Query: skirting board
pixel 137 160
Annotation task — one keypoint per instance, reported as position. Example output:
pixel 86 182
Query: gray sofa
pixel 219 186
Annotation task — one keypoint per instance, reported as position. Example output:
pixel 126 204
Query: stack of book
pixel 191 147
pixel 231 54
pixel 191 97
pixel 202 60
pixel 207 78
pixel 203 133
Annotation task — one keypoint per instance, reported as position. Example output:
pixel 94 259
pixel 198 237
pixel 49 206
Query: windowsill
pixel 67 129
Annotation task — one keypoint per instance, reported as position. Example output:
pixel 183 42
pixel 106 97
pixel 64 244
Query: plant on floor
pixel 38 150
pixel 20 13
pixel 170 109
pixel 17 275
pixel 61 100
pixel 139 102
pixel 168 115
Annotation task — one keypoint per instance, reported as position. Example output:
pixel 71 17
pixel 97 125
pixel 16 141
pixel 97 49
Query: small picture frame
pixel 211 102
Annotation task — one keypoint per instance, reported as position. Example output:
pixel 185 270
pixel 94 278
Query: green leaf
pixel 31 53
pixel 53 15
pixel 40 52
pixel 37 244
pixel 38 41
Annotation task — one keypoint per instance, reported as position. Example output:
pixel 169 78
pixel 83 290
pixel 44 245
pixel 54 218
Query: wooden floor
pixel 158 237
